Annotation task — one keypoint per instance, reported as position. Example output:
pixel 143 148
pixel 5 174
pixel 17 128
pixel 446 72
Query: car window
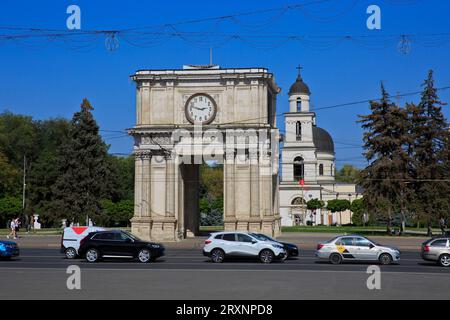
pixel 243 238
pixel 219 236
pixel 361 242
pixel 439 243
pixel 104 236
pixel 121 236
pixel 345 242
pixel 229 237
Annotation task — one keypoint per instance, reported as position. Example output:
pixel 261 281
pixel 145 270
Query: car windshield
pixel 260 237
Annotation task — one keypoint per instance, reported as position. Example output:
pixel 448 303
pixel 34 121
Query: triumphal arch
pixel 198 114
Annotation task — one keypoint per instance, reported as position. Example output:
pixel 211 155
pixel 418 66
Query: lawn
pixel 371 230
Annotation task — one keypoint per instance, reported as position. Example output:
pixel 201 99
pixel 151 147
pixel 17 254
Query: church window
pixel 298 131
pixel 299 168
pixel 299 105
pixel 321 169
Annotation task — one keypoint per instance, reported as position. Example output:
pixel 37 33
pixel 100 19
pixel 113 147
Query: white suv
pixel 242 244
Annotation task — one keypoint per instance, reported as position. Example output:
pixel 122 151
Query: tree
pixel 10 207
pixel 386 177
pixel 117 214
pixel 358 209
pixel 9 177
pixel 347 173
pixel 82 167
pixel 338 205
pixel 314 204
pixel 43 172
pixel 18 138
pixel 429 130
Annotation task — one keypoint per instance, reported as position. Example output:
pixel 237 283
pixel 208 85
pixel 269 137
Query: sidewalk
pixel 306 241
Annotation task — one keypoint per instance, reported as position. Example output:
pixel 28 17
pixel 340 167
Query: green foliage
pixel 386 138
pixel 9 177
pixel 348 174
pixel 315 204
pixel 429 130
pixel 83 169
pixel 117 214
pixel 211 195
pixel 358 209
pixel 211 180
pixel 338 205
pixel 18 138
pixel 10 207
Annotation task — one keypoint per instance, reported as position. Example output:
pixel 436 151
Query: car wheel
pixel 335 258
pixel 71 253
pixel 217 256
pixel 92 255
pixel 144 255
pixel 444 260
pixel 266 256
pixel 385 259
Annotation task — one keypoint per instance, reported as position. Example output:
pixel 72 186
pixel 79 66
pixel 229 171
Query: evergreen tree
pixel 386 177
pixel 429 129
pixel 82 167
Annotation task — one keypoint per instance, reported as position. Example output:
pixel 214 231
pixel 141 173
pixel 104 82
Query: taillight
pixel 426 248
pixel 208 241
pixel 319 246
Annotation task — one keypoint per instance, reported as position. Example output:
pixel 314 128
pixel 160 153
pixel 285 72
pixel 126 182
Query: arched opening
pixel 321 169
pixel 299 169
pixel 299 105
pixel 298 131
pixel 298 211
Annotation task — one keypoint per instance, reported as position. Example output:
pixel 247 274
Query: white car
pixel 71 237
pixel 221 245
pixel 356 248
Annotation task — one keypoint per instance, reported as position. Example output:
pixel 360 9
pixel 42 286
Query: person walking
pixel 12 226
pixel 443 225
pixel 17 228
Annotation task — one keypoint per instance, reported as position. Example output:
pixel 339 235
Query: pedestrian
pixel 443 225
pixel 17 228
pixel 12 226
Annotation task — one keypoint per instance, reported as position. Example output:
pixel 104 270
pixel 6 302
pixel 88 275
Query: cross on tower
pixel 299 68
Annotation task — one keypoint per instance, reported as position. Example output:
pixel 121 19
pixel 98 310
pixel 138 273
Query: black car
pixel 118 244
pixel 291 249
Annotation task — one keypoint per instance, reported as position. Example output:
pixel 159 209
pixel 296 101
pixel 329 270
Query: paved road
pixel 186 274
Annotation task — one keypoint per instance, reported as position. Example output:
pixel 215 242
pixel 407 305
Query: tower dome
pixel 299 86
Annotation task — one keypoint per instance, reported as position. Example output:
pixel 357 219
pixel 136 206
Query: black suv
pixel 118 244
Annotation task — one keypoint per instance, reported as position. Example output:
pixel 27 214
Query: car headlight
pixel 156 246
pixel 278 246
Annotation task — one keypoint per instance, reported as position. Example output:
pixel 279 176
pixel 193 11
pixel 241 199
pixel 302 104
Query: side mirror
pixel 254 241
pixel 128 240
pixel 371 246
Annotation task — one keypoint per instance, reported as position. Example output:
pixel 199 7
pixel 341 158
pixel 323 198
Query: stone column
pixel 255 213
pixel 229 192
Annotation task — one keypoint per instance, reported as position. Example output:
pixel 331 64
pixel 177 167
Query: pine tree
pixel 429 129
pixel 82 165
pixel 386 177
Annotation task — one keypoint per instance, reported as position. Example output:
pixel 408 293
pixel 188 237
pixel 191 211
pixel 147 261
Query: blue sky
pixel 46 80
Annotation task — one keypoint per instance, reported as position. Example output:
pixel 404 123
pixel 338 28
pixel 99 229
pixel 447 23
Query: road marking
pixel 231 270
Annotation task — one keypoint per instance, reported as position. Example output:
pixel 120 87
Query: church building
pixel 308 166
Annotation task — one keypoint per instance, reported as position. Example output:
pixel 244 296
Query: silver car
pixel 437 250
pixel 356 248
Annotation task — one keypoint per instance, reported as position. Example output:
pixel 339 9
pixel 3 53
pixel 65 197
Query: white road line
pixel 232 270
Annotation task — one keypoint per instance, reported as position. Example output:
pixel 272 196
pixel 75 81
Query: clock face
pixel 200 109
